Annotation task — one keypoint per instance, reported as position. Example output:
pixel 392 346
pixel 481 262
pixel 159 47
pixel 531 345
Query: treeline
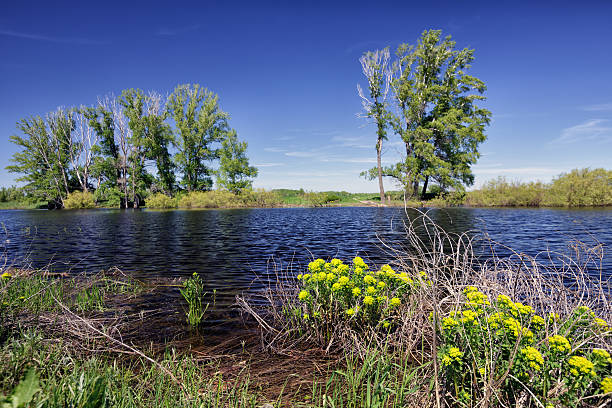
pixel 578 188
pixel 128 147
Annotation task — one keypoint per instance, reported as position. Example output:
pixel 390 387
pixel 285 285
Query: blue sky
pixel 287 74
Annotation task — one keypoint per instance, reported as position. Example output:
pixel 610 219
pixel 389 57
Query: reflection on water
pixel 229 247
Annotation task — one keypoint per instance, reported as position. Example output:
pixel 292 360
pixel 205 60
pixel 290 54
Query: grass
pixel 578 188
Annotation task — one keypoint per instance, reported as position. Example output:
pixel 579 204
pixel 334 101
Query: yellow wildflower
pixel 358 262
pixel 370 290
pixel 606 385
pixel 6 275
pixel 368 300
pixel 533 357
pixel 559 344
pixel 395 302
pixel 303 295
pixel 350 312
pixel 602 355
pixel 580 366
pixel 356 292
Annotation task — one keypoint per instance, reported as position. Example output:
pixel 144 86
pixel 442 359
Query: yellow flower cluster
pixel 475 297
pixel 602 355
pixel 559 344
pixel 6 275
pixel 454 355
pixel 533 357
pixel 579 366
pixel 537 322
pixel 328 285
pixel 303 295
pixel 606 385
pixel 602 324
pixel 516 309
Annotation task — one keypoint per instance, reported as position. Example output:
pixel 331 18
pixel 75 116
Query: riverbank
pixel 432 327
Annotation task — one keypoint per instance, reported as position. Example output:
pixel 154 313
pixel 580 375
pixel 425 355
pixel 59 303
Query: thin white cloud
pixel 46 38
pixel 269 164
pixel 301 154
pixel 354 142
pixel 275 149
pixel 593 129
pixel 602 107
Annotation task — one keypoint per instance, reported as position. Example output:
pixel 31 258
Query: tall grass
pixel 578 188
pixel 215 199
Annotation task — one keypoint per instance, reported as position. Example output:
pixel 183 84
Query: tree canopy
pixel 435 115
pixel 127 147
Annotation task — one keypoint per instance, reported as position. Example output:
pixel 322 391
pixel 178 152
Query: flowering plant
pixel 334 292
pixel 504 342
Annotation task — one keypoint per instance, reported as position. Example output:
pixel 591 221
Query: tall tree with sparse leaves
pixel 375 66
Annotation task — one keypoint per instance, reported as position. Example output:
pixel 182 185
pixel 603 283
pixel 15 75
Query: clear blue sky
pixel 287 73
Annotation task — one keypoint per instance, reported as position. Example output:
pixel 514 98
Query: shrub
pixel 533 357
pixel 333 293
pixel 159 200
pixel 79 199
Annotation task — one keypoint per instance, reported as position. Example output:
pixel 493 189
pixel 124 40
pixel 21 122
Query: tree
pixel 106 167
pixel 437 119
pixel 44 158
pixel 234 172
pixel 84 147
pixel 375 66
pixel 199 124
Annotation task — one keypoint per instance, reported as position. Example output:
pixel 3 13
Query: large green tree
pixel 234 172
pixel 436 116
pixel 375 67
pixel 44 158
pixel 200 125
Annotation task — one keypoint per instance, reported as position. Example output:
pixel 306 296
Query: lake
pixel 230 247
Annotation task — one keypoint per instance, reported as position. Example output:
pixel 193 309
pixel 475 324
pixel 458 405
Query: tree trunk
pixel 424 188
pixel 380 180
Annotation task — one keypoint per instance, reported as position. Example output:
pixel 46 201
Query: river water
pixel 230 247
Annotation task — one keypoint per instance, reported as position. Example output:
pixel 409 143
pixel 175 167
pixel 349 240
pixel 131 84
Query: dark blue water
pixel 230 247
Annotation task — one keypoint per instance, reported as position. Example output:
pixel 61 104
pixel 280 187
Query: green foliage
pixel 44 156
pixel 71 379
pixel 378 379
pixel 332 293
pixel 23 393
pixel 578 188
pixel 109 149
pixel 79 199
pixel 193 293
pixel 160 200
pixel 200 123
pixel 548 359
pixel 37 292
pixel 234 172
pixel 435 115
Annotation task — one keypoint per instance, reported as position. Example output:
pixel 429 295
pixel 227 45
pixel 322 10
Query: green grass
pixel 21 205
